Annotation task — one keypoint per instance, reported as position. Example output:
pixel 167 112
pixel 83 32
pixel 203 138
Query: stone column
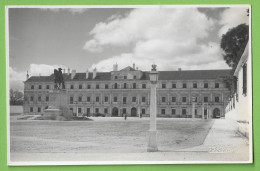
pixel 152 135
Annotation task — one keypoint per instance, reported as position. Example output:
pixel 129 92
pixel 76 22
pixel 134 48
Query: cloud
pixel 71 10
pixel 165 36
pixel 16 77
pixel 232 17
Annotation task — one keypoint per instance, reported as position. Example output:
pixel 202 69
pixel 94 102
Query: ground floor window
pixel 71 109
pixel 163 111
pixel 183 111
pixel 105 110
pixel 143 111
pixel 97 110
pixel 39 109
pixel 79 110
pixel 173 111
pixel 31 109
pixel 196 112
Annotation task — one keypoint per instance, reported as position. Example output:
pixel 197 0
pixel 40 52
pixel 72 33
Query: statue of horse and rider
pixel 58 79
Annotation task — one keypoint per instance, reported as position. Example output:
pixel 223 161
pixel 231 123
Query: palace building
pixel 127 91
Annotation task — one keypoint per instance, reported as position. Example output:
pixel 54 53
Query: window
pixel 39 109
pixel 163 99
pixel 174 99
pixel 31 109
pixel 183 112
pixel 143 85
pixel 134 85
pixel 124 100
pixel 116 77
pixel 184 99
pixel 125 77
pixel 206 99
pixel 125 85
pixel 134 76
pixel 133 99
pixel 71 86
pixel 143 111
pixel 39 98
pixel 79 110
pixel 163 111
pixel 124 110
pixel 217 99
pixel 71 109
pixel 105 110
pixel 47 98
pixel 80 99
pixel 106 98
pixel 206 85
pixel 71 100
pixel 184 85
pixel 173 111
pixel 196 112
pixel 195 85
pixel 32 87
pixel 40 86
pixel 245 79
pixel 143 99
pixel 31 98
pixel 97 99
pixel 89 86
pixel 97 86
pixel 115 99
pixel 97 110
pixel 106 86
pixel 47 86
pixel 173 85
pixel 216 85
pixel 163 85
pixel 88 99
pixel 115 86
pixel 80 86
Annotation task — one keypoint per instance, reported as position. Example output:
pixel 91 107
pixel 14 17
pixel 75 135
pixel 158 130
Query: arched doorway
pixel 216 113
pixel 133 111
pixel 115 111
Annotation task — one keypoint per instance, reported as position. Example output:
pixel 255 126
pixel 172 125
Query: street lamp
pixel 152 134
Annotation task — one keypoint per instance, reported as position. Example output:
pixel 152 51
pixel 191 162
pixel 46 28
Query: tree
pixel 233 43
pixel 16 97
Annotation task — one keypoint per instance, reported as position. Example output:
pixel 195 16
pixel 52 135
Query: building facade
pixel 127 91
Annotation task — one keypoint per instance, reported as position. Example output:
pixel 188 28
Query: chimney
pixel 179 69
pixel 134 65
pixel 94 73
pixel 27 76
pixel 87 74
pixel 115 67
pixel 73 73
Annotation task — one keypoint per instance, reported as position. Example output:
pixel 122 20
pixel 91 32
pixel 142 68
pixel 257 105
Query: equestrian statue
pixel 58 79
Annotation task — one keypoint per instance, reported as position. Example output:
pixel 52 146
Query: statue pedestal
pixel 59 106
pixel 152 141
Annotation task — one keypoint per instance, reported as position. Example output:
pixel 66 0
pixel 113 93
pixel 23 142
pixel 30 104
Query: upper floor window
pixel 39 98
pixel 125 85
pixel 184 111
pixel 116 77
pixel 245 79
pixel 40 86
pixel 97 86
pixel 89 86
pixel 143 99
pixel 173 99
pixel 88 99
pixel 125 77
pixel 47 98
pixel 71 86
pixel 106 98
pixel 217 99
pixel 216 85
pixel 143 85
pixel 195 85
pixel 184 99
pixel 106 86
pixel 115 99
pixel 206 85
pixel 115 86
pixel 133 99
pixel 32 87
pixel 71 100
pixel 163 85
pixel 206 99
pixel 124 100
pixel 80 98
pixel 163 99
pixel 80 86
pixel 173 85
pixel 184 85
pixel 31 98
pixel 134 76
pixel 163 111
pixel 97 99
pixel 47 86
pixel 173 111
pixel 134 85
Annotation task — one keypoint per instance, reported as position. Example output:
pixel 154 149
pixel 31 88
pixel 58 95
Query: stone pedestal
pixel 152 141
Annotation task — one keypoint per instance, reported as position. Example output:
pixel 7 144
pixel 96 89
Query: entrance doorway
pixel 216 113
pixel 133 111
pixel 115 111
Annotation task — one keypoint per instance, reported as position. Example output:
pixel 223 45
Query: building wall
pixel 166 91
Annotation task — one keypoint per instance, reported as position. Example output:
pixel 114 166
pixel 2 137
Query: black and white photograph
pixel 158 84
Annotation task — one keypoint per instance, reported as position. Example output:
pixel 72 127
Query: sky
pixel 41 39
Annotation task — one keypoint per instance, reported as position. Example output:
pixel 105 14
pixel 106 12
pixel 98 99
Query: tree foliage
pixel 16 97
pixel 233 44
